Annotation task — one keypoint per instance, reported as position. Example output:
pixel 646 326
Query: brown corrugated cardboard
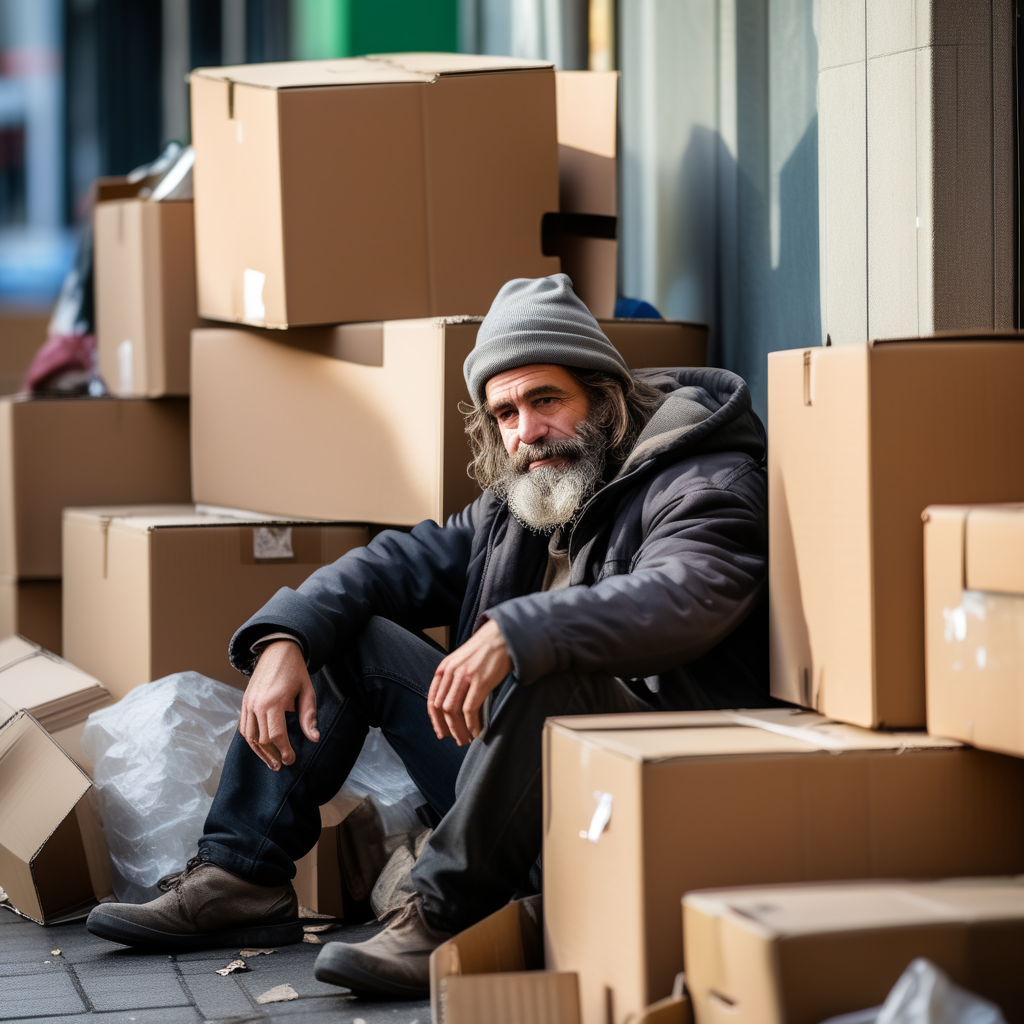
pixel 267 417
pixel 21 336
pixel 370 188
pixel 974 624
pixel 151 590
pixel 643 808
pixel 43 866
pixel 801 954
pixel 492 972
pixel 586 232
pixel 318 882
pixel 31 608
pixel 55 692
pixel 862 439
pixel 81 451
pixel 145 287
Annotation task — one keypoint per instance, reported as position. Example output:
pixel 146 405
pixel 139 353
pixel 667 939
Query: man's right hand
pixel 279 683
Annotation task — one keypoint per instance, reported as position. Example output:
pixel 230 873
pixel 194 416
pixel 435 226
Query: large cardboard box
pixel 974 624
pixel 584 233
pixel 493 972
pixel 151 590
pixel 145 288
pixel 863 437
pixel 801 954
pixel 22 334
pixel 43 864
pixel 359 422
pixel 81 451
pixel 640 809
pixel 31 608
pixel 370 188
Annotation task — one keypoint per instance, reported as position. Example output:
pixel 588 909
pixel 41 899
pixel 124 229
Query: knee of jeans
pixel 379 631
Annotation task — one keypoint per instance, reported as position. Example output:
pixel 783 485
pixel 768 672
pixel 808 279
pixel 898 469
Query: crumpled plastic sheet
pixel 157 756
pixel 924 994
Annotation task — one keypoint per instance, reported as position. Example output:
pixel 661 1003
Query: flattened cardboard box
pixel 492 972
pixel 81 451
pixel 974 624
pixel 145 272
pixel 862 440
pixel 801 954
pixel 391 391
pixel 370 188
pixel 643 808
pixel 43 865
pixel 151 590
pixel 31 608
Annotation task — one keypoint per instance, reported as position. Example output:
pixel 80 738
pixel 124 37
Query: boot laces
pixel 175 878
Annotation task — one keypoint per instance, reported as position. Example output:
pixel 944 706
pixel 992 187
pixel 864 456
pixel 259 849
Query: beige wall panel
pixel 842 192
pixel 891 25
pixel 841 33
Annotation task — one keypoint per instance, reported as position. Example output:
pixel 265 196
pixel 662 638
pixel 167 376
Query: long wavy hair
pixel 619 411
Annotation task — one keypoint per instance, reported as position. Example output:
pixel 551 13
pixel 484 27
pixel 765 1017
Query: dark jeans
pixel 489 794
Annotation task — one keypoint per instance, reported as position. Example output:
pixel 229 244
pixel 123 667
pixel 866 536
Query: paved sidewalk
pixel 95 981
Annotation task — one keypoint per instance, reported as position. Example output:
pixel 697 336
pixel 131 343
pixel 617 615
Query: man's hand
pixel 463 680
pixel 279 683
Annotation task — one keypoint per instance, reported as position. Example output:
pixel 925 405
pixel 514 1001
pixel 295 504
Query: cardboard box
pixel 584 234
pixel 267 417
pixel 370 188
pixel 151 590
pixel 801 954
pixel 145 288
pixel 974 624
pixel 640 809
pixel 31 608
pixel 493 972
pixel 862 440
pixel 53 691
pixel 81 451
pixel 43 865
pixel 22 334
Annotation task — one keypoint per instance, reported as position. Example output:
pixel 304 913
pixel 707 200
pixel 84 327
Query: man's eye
pixel 544 401
pixel 506 415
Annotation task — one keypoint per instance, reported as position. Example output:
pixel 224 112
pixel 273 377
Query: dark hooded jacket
pixel 668 584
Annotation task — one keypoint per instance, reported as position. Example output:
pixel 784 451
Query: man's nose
pixel 531 427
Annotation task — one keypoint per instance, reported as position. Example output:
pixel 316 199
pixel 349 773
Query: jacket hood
pixel 705 410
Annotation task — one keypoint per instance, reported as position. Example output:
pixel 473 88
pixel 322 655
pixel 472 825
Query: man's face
pixel 555 456
pixel 533 403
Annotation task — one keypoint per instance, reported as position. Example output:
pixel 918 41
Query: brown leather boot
pixel 203 907
pixel 395 962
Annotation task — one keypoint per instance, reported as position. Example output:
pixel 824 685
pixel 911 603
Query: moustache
pixel 569 448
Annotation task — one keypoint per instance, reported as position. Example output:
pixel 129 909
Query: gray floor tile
pixel 218 997
pixel 125 991
pixel 174 1015
pixel 39 995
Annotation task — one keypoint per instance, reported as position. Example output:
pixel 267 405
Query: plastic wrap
pixel 157 757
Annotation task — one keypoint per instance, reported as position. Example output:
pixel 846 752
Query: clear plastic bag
pixel 157 757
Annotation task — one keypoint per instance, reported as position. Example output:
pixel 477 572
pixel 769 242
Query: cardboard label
pixel 272 543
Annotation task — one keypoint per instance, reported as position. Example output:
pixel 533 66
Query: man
pixel 616 561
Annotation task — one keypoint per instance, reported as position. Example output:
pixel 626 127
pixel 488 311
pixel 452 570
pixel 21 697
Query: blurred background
pixel 718 129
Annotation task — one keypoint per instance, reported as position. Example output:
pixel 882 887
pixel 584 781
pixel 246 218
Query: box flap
pixel 655 736
pixel 15 648
pixel 381 69
pixel 540 997
pixel 776 912
pixel 53 690
pixel 144 518
pixel 39 787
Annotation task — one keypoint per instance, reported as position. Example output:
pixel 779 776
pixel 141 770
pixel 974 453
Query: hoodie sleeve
pixel 416 579
pixel 698 572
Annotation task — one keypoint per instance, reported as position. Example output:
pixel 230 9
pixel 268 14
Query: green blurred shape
pixel 322 29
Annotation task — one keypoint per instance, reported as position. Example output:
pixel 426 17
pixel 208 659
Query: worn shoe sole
pixel 128 933
pixel 336 965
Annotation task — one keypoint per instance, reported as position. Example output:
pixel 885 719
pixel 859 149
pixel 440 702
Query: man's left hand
pixel 463 680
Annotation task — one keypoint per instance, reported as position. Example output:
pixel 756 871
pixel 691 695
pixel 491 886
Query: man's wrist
pixel 272 638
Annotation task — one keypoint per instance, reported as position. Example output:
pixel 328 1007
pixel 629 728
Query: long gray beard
pixel 550 496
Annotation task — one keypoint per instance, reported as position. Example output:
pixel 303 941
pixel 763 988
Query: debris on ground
pixel 244 953
pixel 235 967
pixel 54 952
pixel 278 994
pixel 312 915
pixel 311 938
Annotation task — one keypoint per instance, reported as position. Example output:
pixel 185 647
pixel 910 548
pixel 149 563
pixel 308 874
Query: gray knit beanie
pixel 538 320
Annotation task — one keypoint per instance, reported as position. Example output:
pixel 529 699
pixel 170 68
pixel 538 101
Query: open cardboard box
pixel 800 954
pixel 81 451
pixel 44 868
pixel 643 808
pixel 359 422
pixel 974 624
pixel 863 438
pixel 150 590
pixel 370 188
